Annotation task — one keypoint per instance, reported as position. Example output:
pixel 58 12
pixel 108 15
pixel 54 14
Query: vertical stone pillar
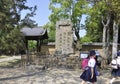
pixel 64 37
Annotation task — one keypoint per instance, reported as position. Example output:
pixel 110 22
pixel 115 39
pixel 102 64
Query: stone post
pixel 64 37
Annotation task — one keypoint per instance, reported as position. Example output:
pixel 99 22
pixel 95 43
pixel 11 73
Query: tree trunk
pixel 115 39
pixel 108 54
pixel 105 41
pixel 104 62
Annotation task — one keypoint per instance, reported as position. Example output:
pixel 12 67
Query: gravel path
pixel 33 75
pixel 30 75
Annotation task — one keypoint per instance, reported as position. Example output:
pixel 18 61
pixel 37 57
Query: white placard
pixel 83 55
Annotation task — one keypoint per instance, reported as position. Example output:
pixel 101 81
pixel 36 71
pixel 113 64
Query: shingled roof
pixel 32 33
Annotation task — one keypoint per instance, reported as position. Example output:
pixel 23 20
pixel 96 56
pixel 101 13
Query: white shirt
pixel 91 63
pixel 116 61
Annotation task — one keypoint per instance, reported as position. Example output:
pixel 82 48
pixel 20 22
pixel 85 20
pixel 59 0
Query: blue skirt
pixel 86 76
pixel 116 72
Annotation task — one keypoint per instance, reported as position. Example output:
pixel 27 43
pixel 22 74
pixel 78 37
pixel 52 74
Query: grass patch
pixel 11 63
pixel 3 56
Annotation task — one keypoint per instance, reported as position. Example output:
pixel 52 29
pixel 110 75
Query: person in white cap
pixel 115 72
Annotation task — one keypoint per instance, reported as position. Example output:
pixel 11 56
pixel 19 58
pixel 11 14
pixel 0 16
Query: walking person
pixel 115 72
pixel 89 75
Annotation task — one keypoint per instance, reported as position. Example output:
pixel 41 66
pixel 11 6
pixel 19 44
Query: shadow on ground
pixel 116 82
pixel 16 77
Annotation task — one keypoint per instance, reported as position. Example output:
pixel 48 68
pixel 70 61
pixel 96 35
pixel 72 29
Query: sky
pixel 43 12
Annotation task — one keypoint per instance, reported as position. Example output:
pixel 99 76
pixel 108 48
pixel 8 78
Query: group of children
pixel 90 74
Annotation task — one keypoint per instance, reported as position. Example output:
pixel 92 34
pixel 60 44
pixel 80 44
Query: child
pixel 116 72
pixel 89 75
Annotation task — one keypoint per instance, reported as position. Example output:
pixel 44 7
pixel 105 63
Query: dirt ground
pixel 31 75
pixel 35 75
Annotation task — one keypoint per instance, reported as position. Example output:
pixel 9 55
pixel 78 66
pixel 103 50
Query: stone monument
pixel 64 37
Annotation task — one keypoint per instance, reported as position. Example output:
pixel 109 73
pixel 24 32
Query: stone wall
pixel 50 48
pixel 85 47
pixel 65 61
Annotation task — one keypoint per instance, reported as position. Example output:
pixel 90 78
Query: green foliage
pixel 11 40
pixel 32 44
pixel 27 21
pixel 101 9
pixel 85 39
pixel 93 21
pixel 51 36
pixel 51 31
pixel 67 9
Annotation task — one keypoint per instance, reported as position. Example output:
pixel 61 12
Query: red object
pixel 85 63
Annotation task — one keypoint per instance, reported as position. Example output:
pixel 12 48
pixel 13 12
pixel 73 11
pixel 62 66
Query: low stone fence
pixel 47 60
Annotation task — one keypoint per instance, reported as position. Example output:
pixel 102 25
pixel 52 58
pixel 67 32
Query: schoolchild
pixel 89 75
pixel 115 72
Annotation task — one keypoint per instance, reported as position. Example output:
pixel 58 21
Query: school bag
pixel 84 63
pixel 114 64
